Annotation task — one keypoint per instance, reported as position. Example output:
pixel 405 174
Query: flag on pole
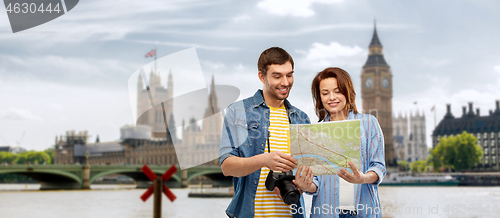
pixel 152 53
pixel 432 109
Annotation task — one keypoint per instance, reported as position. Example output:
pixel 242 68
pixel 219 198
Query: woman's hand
pixel 358 177
pixel 304 180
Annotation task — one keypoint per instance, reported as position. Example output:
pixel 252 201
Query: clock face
pixel 385 83
pixel 369 83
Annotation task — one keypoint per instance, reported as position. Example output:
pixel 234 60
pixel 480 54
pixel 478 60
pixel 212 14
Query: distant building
pixel 74 149
pixel 485 128
pixel 201 144
pixel 376 93
pixel 153 117
pixel 4 148
pixel 15 150
pixel 410 145
pixel 142 144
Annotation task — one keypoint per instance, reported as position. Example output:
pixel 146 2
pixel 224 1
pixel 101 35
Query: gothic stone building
pixel 410 145
pixel 485 128
pixel 148 143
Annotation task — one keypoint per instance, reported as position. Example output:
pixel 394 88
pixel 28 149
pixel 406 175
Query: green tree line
pixel 28 157
pixel 457 153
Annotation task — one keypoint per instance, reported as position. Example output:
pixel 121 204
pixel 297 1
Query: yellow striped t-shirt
pixel 267 203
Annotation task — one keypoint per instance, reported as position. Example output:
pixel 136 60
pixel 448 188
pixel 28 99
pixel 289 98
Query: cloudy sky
pixel 72 73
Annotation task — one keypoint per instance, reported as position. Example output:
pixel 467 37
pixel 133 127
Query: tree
pixel 50 153
pixel 33 157
pixel 418 166
pixel 468 152
pixel 459 152
pixel 403 165
pixel 7 157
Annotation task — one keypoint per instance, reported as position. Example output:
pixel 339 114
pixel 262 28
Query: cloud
pixel 104 20
pixel 18 114
pixel 68 70
pixel 495 86
pixel 242 18
pixel 297 8
pixel 234 29
pixel 333 54
pixel 212 66
pixel 186 45
pixel 433 63
pixel 55 107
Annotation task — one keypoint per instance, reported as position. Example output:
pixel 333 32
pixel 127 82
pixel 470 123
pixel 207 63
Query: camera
pixel 289 193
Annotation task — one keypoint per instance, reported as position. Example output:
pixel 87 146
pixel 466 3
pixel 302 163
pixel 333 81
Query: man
pixel 255 138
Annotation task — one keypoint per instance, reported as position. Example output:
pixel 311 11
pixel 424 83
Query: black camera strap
pixel 268 143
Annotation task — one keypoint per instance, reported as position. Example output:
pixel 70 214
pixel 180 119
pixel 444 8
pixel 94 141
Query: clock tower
pixel 376 93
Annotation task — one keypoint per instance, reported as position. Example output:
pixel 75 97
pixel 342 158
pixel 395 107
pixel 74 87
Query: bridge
pixel 81 176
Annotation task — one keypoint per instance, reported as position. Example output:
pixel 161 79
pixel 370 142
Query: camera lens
pixel 289 193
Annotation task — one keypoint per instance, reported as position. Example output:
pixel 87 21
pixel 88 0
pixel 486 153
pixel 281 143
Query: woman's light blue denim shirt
pixel 365 195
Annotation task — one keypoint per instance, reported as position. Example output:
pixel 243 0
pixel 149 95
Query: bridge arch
pixel 32 174
pixel 201 173
pixel 128 171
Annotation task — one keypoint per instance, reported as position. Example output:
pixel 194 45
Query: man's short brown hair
pixel 273 55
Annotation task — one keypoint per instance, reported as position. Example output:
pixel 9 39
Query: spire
pixel 172 128
pixel 213 84
pixel 212 101
pixel 375 41
pixel 375 55
pixel 170 85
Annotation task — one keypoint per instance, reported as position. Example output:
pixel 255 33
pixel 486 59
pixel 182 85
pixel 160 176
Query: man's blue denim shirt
pixel 244 134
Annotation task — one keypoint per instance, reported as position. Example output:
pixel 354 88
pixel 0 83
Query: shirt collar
pixel 258 99
pixel 349 116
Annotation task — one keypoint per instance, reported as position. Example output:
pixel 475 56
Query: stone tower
pixel 409 137
pixel 154 117
pixel 376 93
pixel 418 145
pixel 400 136
pixel 212 124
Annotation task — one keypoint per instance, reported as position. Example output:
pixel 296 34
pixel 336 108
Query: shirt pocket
pixel 248 132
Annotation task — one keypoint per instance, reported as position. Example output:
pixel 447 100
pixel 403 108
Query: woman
pixel 348 194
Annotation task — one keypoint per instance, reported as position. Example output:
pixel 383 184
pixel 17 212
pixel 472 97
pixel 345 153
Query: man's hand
pixel 278 161
pixel 304 180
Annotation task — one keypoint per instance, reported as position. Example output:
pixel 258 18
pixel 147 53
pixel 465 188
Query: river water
pixel 109 201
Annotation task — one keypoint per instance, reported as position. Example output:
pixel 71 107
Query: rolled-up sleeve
pixel 316 182
pixel 377 154
pixel 227 144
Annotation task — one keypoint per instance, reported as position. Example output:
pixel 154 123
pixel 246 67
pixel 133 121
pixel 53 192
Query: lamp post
pixel 86 172
pixel 87 154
